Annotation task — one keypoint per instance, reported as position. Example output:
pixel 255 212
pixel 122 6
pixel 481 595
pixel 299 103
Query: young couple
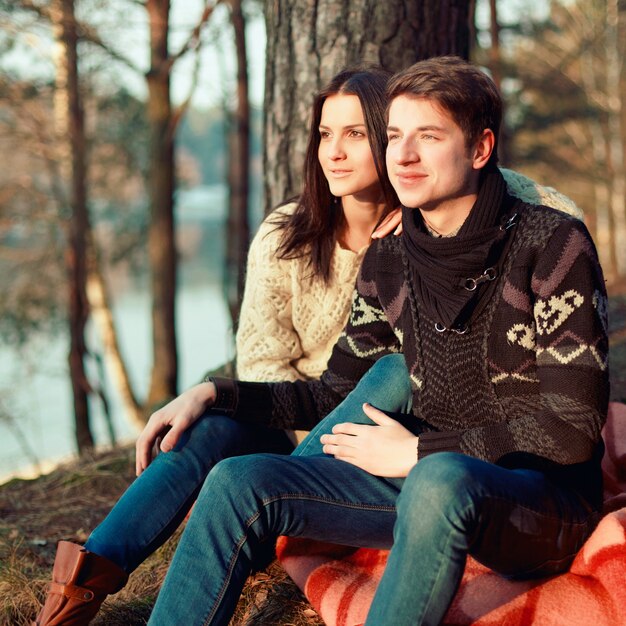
pixel 464 398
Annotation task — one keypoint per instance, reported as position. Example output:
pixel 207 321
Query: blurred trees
pixel 238 177
pixel 71 141
pixel 565 93
pixel 58 124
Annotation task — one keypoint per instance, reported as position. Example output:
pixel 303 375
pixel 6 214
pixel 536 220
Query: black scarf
pixel 449 273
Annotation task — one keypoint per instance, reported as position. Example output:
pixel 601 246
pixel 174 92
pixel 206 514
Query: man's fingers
pixel 349 441
pixel 377 416
pixel 339 451
pixel 171 438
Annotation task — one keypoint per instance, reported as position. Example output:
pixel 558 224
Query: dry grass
pixel 68 504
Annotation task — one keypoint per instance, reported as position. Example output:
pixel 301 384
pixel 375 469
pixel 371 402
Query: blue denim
pixel 156 503
pixel 451 505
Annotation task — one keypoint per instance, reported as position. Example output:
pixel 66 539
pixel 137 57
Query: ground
pixel 69 502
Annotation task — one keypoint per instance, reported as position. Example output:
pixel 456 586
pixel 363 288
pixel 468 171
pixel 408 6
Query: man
pixel 499 310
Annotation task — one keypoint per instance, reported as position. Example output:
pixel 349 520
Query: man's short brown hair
pixel 466 92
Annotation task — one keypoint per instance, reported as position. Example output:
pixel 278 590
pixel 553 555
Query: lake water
pixel 35 391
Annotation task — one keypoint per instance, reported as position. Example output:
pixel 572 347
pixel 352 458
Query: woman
pixel 320 239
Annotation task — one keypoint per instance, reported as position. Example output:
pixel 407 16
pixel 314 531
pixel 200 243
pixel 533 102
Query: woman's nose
pixel 335 150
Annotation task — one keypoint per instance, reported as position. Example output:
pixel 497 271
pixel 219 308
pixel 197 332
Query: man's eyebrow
pixel 419 128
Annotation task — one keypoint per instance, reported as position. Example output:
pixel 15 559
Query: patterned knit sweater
pixel 526 387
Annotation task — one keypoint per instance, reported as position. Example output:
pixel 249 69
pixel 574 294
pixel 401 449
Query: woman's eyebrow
pixel 347 126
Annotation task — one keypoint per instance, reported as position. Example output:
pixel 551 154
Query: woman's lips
pixel 339 173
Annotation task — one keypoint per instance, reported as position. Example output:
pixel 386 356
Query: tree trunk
pixel 102 316
pixel 615 50
pixel 238 171
pixel 309 41
pixel 75 169
pixel 495 66
pixel 161 238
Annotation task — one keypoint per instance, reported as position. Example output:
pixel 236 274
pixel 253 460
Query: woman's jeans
pixel 514 521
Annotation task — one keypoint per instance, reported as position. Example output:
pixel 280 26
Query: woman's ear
pixel 483 149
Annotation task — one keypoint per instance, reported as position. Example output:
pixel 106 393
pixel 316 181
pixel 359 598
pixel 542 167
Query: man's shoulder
pixel 385 255
pixel 537 222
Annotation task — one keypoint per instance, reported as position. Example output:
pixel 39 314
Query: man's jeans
pixel 450 505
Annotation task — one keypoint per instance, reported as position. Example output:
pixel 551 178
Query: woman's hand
pixel 170 421
pixel 391 224
pixel 387 449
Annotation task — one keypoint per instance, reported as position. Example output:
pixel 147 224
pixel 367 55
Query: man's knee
pixel 439 484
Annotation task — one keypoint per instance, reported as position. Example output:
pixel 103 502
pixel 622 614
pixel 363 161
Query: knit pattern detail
pixel 289 322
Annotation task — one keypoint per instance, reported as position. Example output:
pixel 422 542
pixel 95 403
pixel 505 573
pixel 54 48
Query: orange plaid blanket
pixel 340 582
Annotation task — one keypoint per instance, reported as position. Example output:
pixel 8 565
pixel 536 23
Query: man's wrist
pixel 225 394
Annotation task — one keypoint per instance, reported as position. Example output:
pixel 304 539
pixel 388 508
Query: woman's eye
pixel 357 133
pixel 324 134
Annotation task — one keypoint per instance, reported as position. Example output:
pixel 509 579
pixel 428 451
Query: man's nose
pixel 405 152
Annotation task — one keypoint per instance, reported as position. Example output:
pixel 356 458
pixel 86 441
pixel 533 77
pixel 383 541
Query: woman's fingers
pixel 391 224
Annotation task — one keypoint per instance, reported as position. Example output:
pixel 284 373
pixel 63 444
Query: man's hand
pixel 387 449
pixel 170 421
pixel 391 224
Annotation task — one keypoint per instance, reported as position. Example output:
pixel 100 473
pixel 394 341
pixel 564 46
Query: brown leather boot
pixel 81 580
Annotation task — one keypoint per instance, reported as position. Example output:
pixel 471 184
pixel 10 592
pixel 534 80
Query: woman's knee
pixel 387 383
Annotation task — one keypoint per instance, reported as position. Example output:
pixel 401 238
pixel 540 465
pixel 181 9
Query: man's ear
pixel 483 149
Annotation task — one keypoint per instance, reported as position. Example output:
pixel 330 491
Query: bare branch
pixel 180 110
pixel 89 34
pixel 194 37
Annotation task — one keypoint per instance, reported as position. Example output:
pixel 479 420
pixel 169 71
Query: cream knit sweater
pixel 289 322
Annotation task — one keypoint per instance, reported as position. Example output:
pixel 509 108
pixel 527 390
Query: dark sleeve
pixel 302 404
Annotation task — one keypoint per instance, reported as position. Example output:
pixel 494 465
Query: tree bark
pixel 309 41
pixel 161 237
pixel 75 160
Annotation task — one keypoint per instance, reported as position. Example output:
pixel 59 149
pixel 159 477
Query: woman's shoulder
pixel 272 226
pixel 531 192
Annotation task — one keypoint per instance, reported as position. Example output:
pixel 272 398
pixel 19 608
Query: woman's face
pixel 344 151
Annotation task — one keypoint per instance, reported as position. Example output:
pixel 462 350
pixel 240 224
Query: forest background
pixel 142 143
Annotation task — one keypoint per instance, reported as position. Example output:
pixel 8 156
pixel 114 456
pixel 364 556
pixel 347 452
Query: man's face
pixel 428 161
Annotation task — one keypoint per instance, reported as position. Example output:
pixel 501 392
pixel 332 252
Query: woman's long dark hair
pixel 312 229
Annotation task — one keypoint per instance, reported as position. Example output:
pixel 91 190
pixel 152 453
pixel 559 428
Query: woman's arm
pixel 267 342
